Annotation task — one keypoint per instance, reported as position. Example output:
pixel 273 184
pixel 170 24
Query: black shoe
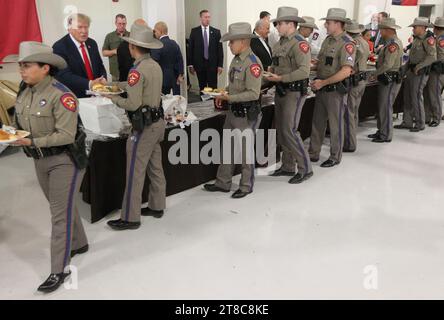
pixel 434 124
pixel 381 140
pixel 121 225
pixel 240 194
pixel 282 173
pixel 374 136
pixel 299 178
pixel 214 188
pixel 416 129
pixel 82 250
pixel 147 212
pixel 348 150
pixel 53 282
pixel 402 126
pixel 329 163
pixel 314 160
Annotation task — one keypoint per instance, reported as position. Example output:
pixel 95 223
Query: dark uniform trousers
pixel 351 116
pixel 288 112
pixel 433 97
pixel 60 181
pixel 386 99
pixel 328 106
pixel 144 157
pixel 414 100
pixel 226 170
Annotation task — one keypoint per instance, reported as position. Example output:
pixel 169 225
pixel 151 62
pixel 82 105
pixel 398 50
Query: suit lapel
pixel 77 55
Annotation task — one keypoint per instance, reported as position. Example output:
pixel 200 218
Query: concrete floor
pixel 372 228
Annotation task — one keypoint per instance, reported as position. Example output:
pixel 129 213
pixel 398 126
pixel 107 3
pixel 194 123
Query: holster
pixel 77 151
pixel 251 110
pixel 297 86
pixel 438 67
pixel 280 90
pixel 144 117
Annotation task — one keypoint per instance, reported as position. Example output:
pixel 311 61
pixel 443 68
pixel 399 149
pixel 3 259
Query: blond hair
pixel 162 27
pixel 74 18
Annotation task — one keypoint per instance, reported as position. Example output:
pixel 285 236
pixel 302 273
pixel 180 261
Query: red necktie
pixel 87 63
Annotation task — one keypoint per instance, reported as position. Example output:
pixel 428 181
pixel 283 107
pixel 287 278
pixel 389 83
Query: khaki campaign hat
pixel 32 51
pixel 143 36
pixel 239 30
pixel 288 14
pixel 439 22
pixel 353 26
pixel 336 14
pixel 309 23
pixel 388 23
pixel 421 21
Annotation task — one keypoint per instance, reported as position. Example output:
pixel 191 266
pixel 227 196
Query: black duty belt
pixel 341 87
pixel 243 109
pixel 154 114
pixel 40 153
pixel 300 85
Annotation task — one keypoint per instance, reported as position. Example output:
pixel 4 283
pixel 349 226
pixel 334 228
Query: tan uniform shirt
pixel 144 86
pixel 49 111
pixel 423 52
pixel 113 41
pixel 336 52
pixel 390 57
pixel 294 56
pixel 245 78
pixel 362 53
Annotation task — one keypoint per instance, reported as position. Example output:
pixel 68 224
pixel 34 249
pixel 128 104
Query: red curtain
pixel 20 22
pixel 405 2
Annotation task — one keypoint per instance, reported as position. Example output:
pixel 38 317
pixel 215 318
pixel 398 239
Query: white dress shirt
pixel 78 44
pixel 208 33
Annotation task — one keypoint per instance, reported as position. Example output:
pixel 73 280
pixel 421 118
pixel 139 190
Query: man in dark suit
pixel 206 52
pixel 85 65
pixel 260 45
pixel 170 60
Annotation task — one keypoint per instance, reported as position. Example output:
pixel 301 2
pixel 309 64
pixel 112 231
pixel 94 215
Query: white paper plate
pixel 96 93
pixel 19 134
pixel 212 94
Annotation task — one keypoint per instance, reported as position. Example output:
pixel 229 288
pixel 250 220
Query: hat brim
pixel 228 37
pixel 385 26
pixel 309 25
pixel 340 19
pixel 46 58
pixel 420 25
pixel 437 25
pixel 156 44
pixel 288 18
pixel 360 30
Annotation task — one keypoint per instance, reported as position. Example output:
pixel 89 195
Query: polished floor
pixel 372 228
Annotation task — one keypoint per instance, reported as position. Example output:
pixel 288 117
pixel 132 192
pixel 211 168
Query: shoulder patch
pixel 60 86
pixel 304 46
pixel 350 48
pixel 431 41
pixel 256 70
pixel 392 48
pixel 133 77
pixel 69 102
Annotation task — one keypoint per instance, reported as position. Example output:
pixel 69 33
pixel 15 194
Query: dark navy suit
pixel 74 76
pixel 171 61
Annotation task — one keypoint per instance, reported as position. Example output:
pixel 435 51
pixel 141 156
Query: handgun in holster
pixel 280 90
pixel 77 150
pixel 137 120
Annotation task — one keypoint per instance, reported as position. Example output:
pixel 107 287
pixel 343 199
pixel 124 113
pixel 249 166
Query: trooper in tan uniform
pixel 243 98
pixel 358 81
pixel 433 90
pixel 144 154
pixel 388 75
pixel 48 110
pixel 335 64
pixel 291 71
pixel 307 27
pixel 422 55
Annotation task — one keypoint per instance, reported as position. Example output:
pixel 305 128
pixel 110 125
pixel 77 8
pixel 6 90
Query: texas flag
pixel 405 2
pixel 20 22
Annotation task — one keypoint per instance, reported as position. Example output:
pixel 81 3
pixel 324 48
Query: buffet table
pixel 104 182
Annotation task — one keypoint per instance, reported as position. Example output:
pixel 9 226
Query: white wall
pixel 53 13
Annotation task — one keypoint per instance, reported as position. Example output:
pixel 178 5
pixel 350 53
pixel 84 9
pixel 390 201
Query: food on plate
pixel 5 136
pixel 208 89
pixel 105 89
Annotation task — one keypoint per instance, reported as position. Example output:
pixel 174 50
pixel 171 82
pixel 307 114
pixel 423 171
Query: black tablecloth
pixel 104 182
